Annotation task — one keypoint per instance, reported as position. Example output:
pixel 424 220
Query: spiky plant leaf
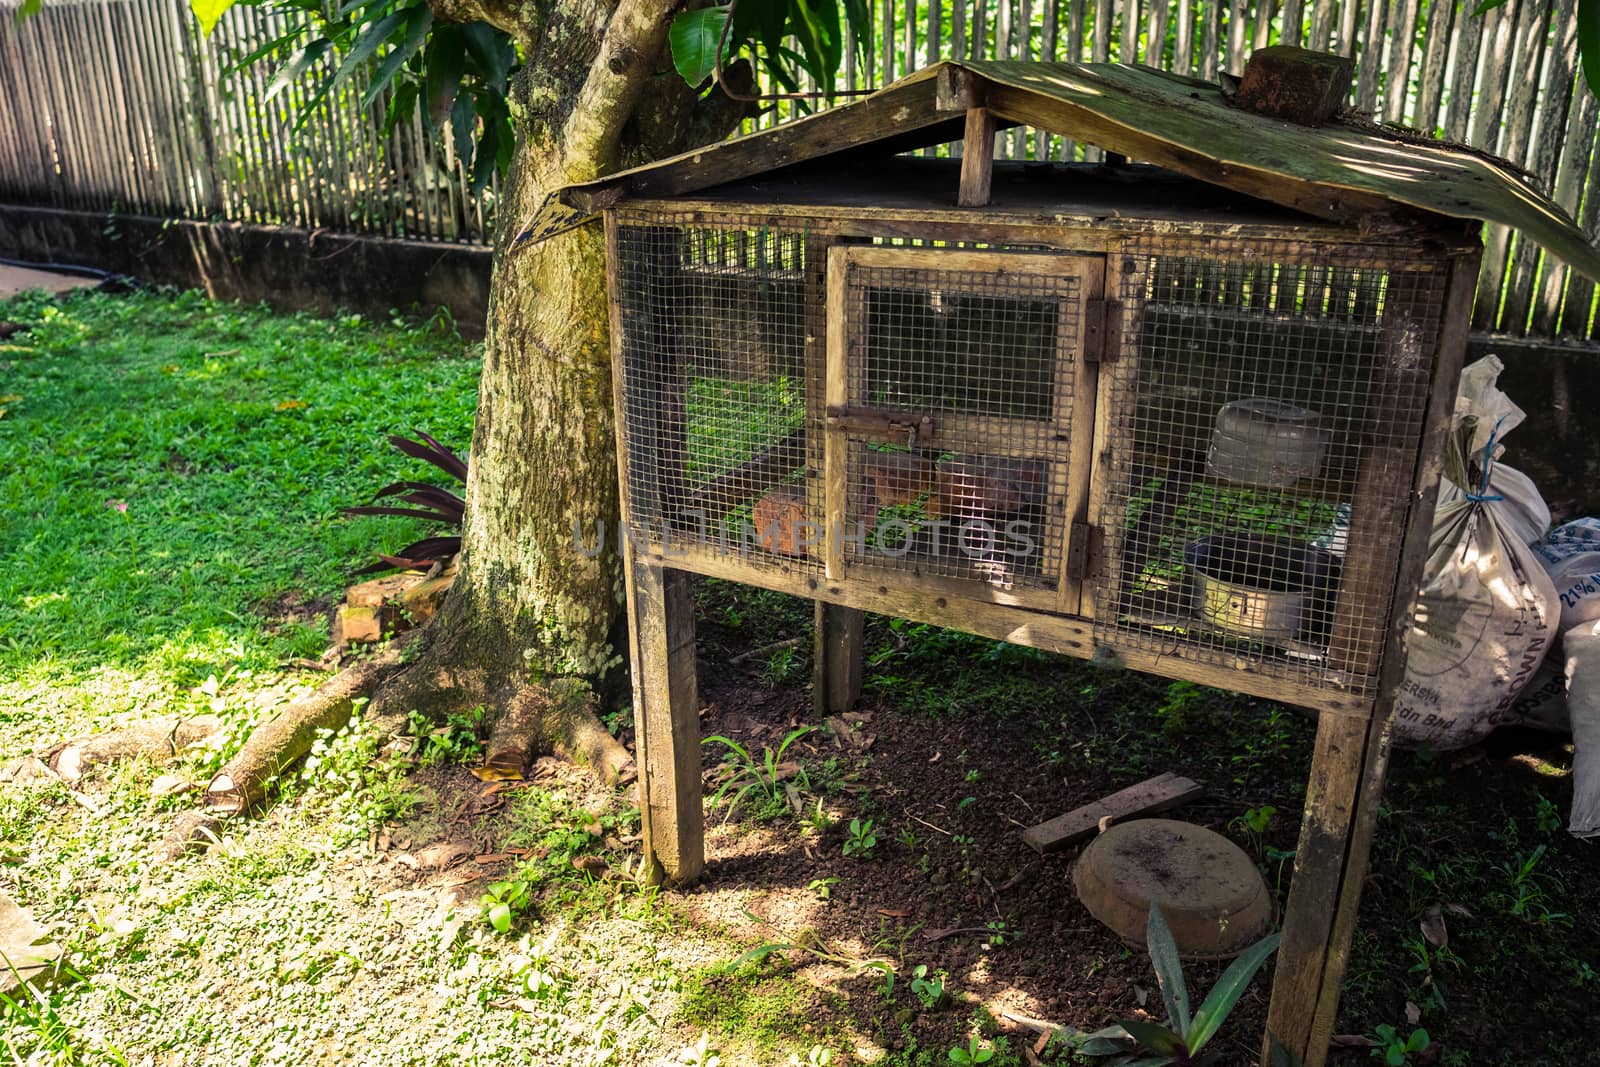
pixel 1226 993
pixel 1169 970
pixel 1156 1038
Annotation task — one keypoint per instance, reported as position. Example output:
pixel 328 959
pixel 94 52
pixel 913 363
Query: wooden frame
pixel 1072 419
pixel 1350 756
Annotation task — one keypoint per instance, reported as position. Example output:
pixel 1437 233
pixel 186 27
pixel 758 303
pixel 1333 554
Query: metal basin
pixel 1260 586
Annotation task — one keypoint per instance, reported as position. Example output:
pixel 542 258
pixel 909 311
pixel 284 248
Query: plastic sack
pixel 1582 644
pixel 1571 556
pixel 1487 610
pixel 1522 512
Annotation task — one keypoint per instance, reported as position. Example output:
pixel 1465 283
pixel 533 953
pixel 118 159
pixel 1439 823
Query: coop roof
pixel 1343 172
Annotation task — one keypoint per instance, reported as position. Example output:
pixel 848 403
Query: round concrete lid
pixel 1212 896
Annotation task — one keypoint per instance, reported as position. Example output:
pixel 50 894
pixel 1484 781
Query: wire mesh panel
pixel 958 395
pixel 1262 396
pixel 715 412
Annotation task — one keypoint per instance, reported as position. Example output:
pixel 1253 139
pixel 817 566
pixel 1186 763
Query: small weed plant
pixel 746 775
pixel 928 988
pixel 863 839
pixel 459 740
pixel 975 1052
pixel 1394 1050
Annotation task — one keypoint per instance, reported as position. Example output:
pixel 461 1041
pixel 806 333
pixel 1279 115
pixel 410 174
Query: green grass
pixel 171 468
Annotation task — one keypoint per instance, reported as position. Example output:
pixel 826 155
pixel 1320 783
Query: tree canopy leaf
pixel 1589 42
pixel 206 11
pixel 694 38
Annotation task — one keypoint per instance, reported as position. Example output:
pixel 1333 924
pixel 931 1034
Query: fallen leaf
pixel 1458 909
pixel 594 866
pixel 291 405
pixel 935 757
pixel 1141 994
pixel 1105 822
pixel 443 854
pixel 1350 1041
pixel 118 505
pixel 167 784
pixel 10 398
pixel 1433 928
pixel 1413 1014
pixel 495 773
pixel 894 913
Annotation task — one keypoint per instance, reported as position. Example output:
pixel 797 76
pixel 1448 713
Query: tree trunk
pixel 526 604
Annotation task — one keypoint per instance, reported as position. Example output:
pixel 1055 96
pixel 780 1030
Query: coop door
pixel 960 411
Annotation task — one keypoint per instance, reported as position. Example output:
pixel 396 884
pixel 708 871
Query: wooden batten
pixel 977 158
pixel 1350 762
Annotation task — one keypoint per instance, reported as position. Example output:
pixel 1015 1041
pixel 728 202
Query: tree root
pixel 158 740
pixel 556 717
pixel 279 742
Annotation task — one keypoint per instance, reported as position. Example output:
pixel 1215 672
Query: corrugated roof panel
pixel 1343 172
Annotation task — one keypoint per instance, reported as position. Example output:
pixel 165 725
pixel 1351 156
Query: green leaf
pixel 1488 6
pixel 1169 971
pixel 858 13
pixel 33 7
pixel 297 65
pixel 817 29
pixel 369 41
pixel 416 34
pixel 491 52
pixel 500 917
pixel 274 45
pixel 1589 42
pixel 764 22
pixel 1155 1037
pixel 443 62
pixel 401 105
pixel 483 162
pixel 463 124
pixel 695 37
pixel 1226 993
pixel 207 11
pixel 1107 1042
pixel 1281 1057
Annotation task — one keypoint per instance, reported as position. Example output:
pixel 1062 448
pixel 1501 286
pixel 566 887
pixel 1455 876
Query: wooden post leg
pixel 1347 772
pixel 837 676
pixel 667 722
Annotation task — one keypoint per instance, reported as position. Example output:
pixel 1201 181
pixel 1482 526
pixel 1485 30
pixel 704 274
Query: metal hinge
pixel 1102 321
pixel 1079 536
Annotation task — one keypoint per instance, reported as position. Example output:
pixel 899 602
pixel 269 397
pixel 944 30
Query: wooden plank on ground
pixel 1146 798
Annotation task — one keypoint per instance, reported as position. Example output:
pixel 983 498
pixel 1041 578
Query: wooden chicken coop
pixel 1182 415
